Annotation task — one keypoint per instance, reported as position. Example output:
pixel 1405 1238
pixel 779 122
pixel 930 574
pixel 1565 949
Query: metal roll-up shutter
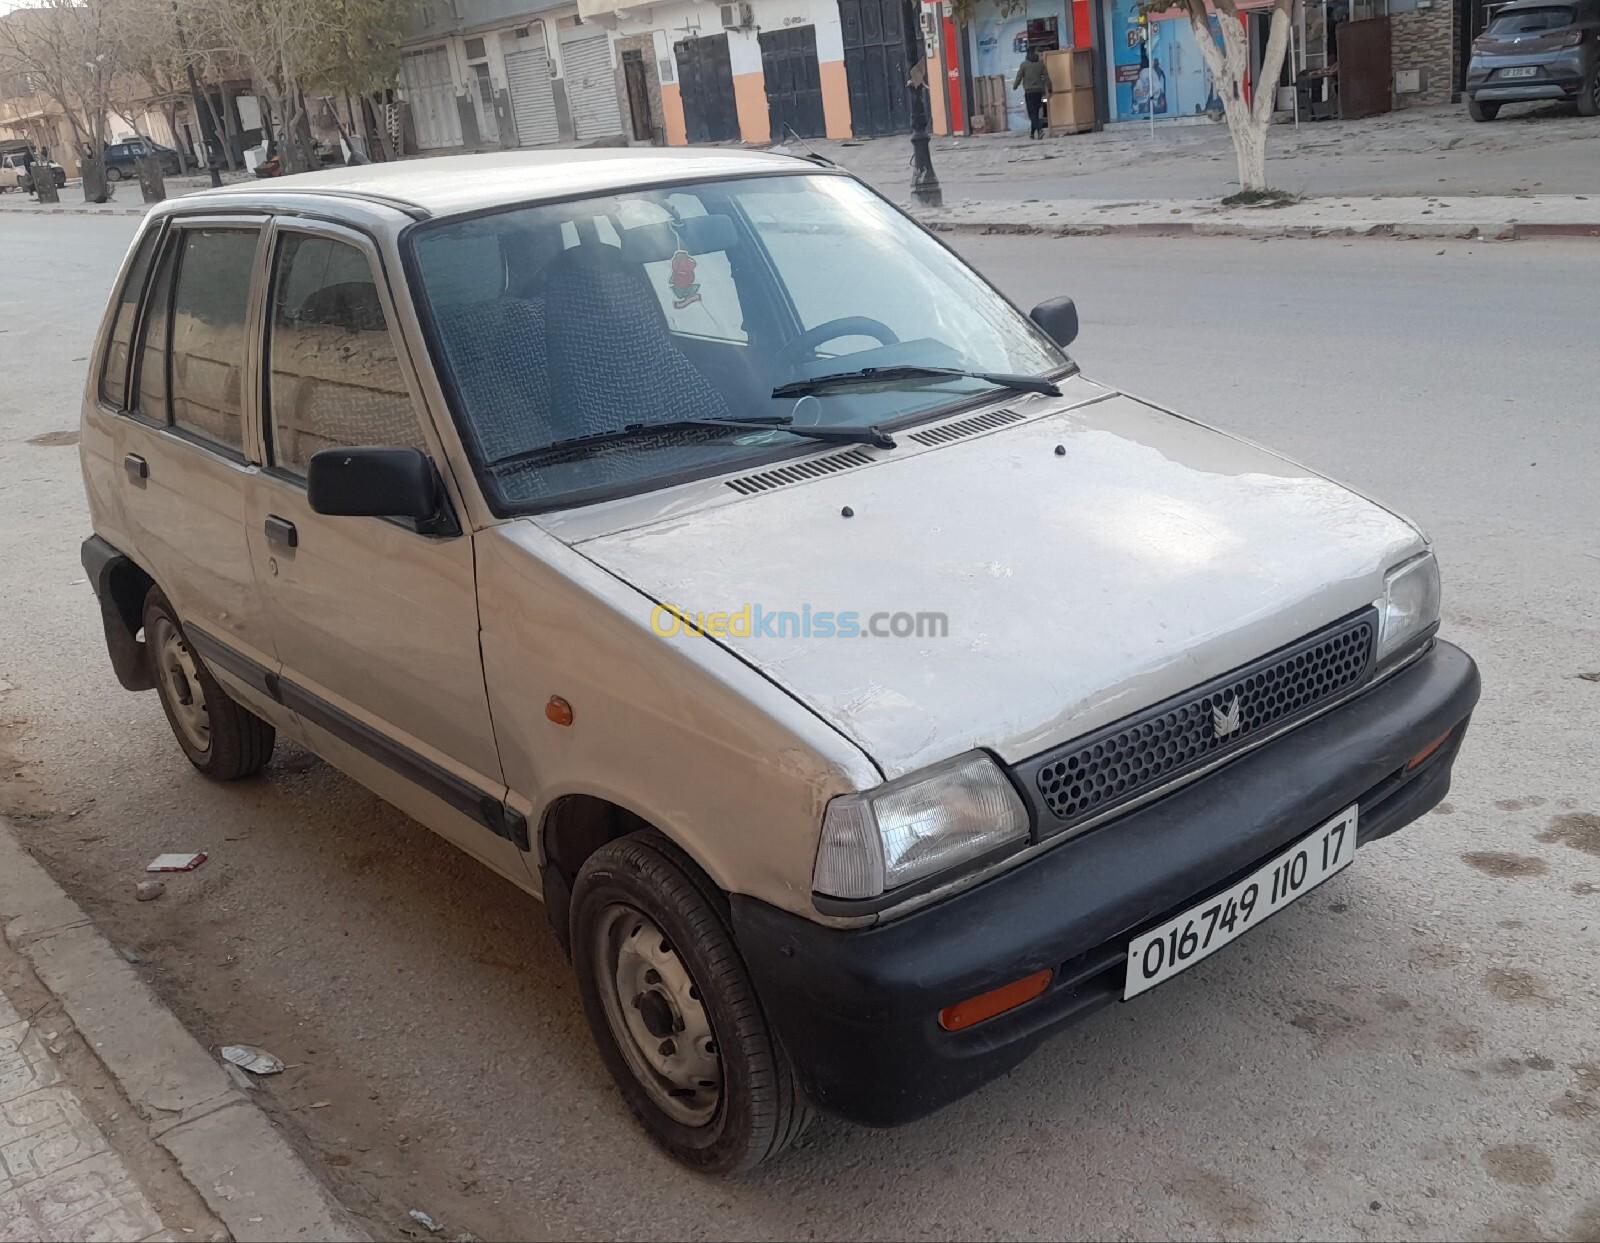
pixel 591 83
pixel 533 100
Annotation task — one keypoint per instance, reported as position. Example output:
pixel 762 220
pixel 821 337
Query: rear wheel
pixel 1589 96
pixel 113 173
pixel 222 739
pixel 1482 111
pixel 672 1008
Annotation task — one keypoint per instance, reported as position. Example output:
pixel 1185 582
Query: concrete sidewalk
pixel 169 1116
pixel 1502 218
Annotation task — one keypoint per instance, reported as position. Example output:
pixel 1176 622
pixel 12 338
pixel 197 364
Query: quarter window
pixel 335 377
pixel 208 333
pixel 114 379
pixel 150 401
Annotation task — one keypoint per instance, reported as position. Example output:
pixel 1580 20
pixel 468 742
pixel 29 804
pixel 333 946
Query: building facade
pixel 486 74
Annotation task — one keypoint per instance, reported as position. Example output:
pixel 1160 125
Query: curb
pixel 75 211
pixel 1500 231
pixel 224 1146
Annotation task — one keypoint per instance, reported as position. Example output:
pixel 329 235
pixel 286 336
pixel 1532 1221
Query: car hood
pixel 1090 561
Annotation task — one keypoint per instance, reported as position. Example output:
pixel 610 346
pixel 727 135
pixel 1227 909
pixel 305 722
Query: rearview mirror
pixel 1059 319
pixel 373 483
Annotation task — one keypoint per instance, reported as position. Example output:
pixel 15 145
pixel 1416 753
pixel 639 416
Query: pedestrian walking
pixel 1034 79
pixel 27 171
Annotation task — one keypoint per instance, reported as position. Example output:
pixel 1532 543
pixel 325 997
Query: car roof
pixel 1517 6
pixel 453 184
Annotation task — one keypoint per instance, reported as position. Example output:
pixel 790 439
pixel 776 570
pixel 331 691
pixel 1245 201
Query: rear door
pixel 183 446
pixel 376 619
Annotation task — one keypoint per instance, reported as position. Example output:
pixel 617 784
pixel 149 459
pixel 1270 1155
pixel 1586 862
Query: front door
pixel 794 86
pixel 378 618
pixel 638 84
pixel 705 82
pixel 875 66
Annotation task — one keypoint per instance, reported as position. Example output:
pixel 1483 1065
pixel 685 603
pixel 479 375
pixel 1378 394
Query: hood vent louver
pixel 962 428
pixel 799 472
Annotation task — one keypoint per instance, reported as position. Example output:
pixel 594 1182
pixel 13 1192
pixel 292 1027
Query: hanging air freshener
pixel 684 288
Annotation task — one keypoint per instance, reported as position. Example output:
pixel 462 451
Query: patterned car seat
pixel 497 353
pixel 612 357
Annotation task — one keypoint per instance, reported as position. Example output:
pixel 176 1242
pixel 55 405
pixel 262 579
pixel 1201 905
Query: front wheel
pixel 672 1008
pixel 224 740
pixel 1482 111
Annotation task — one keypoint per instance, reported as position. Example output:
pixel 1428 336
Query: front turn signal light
pixel 997 1001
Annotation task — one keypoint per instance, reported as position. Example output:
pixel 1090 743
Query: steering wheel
pixel 805 345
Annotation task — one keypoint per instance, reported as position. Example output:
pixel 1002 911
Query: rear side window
pixel 114 379
pixel 1530 21
pixel 208 333
pixel 335 379
pixel 150 370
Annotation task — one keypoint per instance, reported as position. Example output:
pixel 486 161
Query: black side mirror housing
pixel 374 483
pixel 1059 319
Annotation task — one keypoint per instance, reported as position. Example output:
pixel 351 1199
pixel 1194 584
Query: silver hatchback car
pixel 698 542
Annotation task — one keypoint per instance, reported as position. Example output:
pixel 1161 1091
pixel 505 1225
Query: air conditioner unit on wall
pixel 737 17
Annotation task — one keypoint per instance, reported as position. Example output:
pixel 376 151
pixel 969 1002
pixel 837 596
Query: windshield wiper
pixel 911 371
pixel 875 436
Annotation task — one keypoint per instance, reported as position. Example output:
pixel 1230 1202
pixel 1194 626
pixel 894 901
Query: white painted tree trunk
pixel 1228 61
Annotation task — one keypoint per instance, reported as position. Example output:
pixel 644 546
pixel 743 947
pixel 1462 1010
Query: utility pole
pixel 195 101
pixel 924 181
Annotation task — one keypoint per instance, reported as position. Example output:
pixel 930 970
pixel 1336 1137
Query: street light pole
pixel 925 189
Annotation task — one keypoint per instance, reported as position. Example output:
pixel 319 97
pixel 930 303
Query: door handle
pixel 138 469
pixel 281 531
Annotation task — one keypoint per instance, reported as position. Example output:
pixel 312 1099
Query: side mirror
pixel 1059 319
pixel 373 483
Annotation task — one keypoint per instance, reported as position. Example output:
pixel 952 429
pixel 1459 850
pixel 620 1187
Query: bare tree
pixel 1226 52
pixel 275 38
pixel 153 53
pixel 67 50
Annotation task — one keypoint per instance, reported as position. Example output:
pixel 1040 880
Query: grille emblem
pixel 1225 720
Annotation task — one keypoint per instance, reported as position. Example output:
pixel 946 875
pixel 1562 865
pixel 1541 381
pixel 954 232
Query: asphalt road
pixel 1414 1051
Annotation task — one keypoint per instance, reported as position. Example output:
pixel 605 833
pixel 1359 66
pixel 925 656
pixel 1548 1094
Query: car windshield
pixel 1530 21
pixel 570 320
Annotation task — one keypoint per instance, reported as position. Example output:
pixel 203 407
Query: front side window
pixel 334 377
pixel 114 378
pixel 208 333
pixel 559 323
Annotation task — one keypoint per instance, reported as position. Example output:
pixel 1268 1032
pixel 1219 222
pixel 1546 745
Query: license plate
pixel 1202 930
pixel 1527 71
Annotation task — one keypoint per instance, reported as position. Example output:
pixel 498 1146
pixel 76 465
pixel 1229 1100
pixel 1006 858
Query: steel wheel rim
pixel 656 1016
pixel 181 686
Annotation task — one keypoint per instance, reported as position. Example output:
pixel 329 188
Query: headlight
pixel 917 826
pixel 1409 609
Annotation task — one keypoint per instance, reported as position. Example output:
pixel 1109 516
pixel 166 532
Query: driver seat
pixel 612 358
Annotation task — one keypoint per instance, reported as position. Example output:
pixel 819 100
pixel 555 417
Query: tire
pixel 640 912
pixel 224 740
pixel 113 173
pixel 1482 111
pixel 1589 97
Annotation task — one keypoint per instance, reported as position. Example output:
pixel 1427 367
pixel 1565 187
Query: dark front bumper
pixel 857 1009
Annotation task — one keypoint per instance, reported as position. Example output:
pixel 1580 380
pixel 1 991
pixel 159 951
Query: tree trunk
pixel 1227 61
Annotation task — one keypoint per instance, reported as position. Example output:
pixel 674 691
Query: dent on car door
pixel 182 448
pixel 377 621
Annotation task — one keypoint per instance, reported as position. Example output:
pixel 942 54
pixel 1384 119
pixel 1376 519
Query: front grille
pixel 1091 775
